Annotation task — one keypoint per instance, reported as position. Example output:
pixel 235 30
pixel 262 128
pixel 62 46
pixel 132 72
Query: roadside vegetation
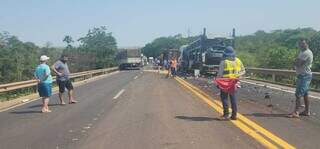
pixel 18 59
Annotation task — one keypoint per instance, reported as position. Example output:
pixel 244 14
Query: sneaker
pixel 224 118
pixel 294 115
pixel 233 117
pixel 305 113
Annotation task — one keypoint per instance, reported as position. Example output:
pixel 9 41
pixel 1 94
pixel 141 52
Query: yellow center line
pixel 243 123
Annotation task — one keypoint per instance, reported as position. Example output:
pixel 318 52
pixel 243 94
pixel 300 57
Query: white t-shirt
pixel 305 68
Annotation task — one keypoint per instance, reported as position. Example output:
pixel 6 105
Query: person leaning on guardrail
pixel 230 70
pixel 303 65
pixel 62 70
pixel 44 78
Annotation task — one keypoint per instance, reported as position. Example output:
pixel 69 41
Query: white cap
pixel 44 58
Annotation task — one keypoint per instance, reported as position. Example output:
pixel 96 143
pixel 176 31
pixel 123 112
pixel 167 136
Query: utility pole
pixel 188 32
pixel 234 37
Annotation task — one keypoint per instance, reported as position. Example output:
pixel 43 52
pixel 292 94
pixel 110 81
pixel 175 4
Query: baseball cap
pixel 44 58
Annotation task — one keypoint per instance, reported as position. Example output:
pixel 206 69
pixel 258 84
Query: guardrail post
pixel 274 77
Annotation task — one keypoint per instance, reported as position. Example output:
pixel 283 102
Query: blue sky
pixel 136 22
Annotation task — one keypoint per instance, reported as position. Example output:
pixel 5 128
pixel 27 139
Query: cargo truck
pixel 129 59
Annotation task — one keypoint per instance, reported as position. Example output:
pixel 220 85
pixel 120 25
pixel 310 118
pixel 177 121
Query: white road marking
pixel 119 93
pixel 135 77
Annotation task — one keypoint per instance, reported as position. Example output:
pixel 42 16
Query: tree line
pixel 18 59
pixel 277 49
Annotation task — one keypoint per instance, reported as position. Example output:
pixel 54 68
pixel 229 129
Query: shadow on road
pixel 40 105
pixel 187 118
pixel 26 112
pixel 266 115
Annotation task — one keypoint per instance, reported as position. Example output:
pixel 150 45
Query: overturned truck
pixel 204 54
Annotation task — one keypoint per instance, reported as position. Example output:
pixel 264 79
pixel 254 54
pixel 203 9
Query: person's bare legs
pixel 45 107
pixel 46 103
pixel 306 111
pixel 295 113
pixel 71 97
pixel 61 99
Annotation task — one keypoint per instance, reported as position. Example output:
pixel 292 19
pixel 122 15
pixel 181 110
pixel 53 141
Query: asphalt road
pixel 137 110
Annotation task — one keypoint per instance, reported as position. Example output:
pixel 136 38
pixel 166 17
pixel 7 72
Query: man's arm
pixel 221 69
pixel 302 60
pixel 53 67
pixel 36 77
pixel 299 62
pixel 242 70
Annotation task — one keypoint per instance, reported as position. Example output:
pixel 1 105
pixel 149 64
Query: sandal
pixel 73 102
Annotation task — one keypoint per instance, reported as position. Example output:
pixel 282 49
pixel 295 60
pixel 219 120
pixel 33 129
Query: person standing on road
pixel 44 78
pixel 303 65
pixel 158 64
pixel 230 70
pixel 165 64
pixel 61 69
pixel 174 66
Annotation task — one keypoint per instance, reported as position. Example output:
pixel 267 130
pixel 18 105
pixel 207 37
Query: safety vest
pixel 232 68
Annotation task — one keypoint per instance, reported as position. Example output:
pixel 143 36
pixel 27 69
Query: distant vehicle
pixel 129 59
pixel 144 60
pixel 150 60
pixel 204 54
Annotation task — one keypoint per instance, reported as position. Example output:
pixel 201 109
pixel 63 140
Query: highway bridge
pixel 143 109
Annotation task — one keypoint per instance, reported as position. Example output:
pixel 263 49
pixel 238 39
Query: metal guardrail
pixel 31 83
pixel 277 72
pixel 89 74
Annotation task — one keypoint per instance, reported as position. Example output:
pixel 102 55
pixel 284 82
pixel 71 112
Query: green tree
pixel 157 46
pixel 68 39
pixel 102 44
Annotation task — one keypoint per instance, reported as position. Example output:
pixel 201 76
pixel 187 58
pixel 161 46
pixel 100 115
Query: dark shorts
pixel 173 71
pixel 63 85
pixel 44 89
pixel 302 85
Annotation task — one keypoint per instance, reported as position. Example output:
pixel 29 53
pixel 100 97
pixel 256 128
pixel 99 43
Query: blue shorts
pixel 44 89
pixel 302 85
